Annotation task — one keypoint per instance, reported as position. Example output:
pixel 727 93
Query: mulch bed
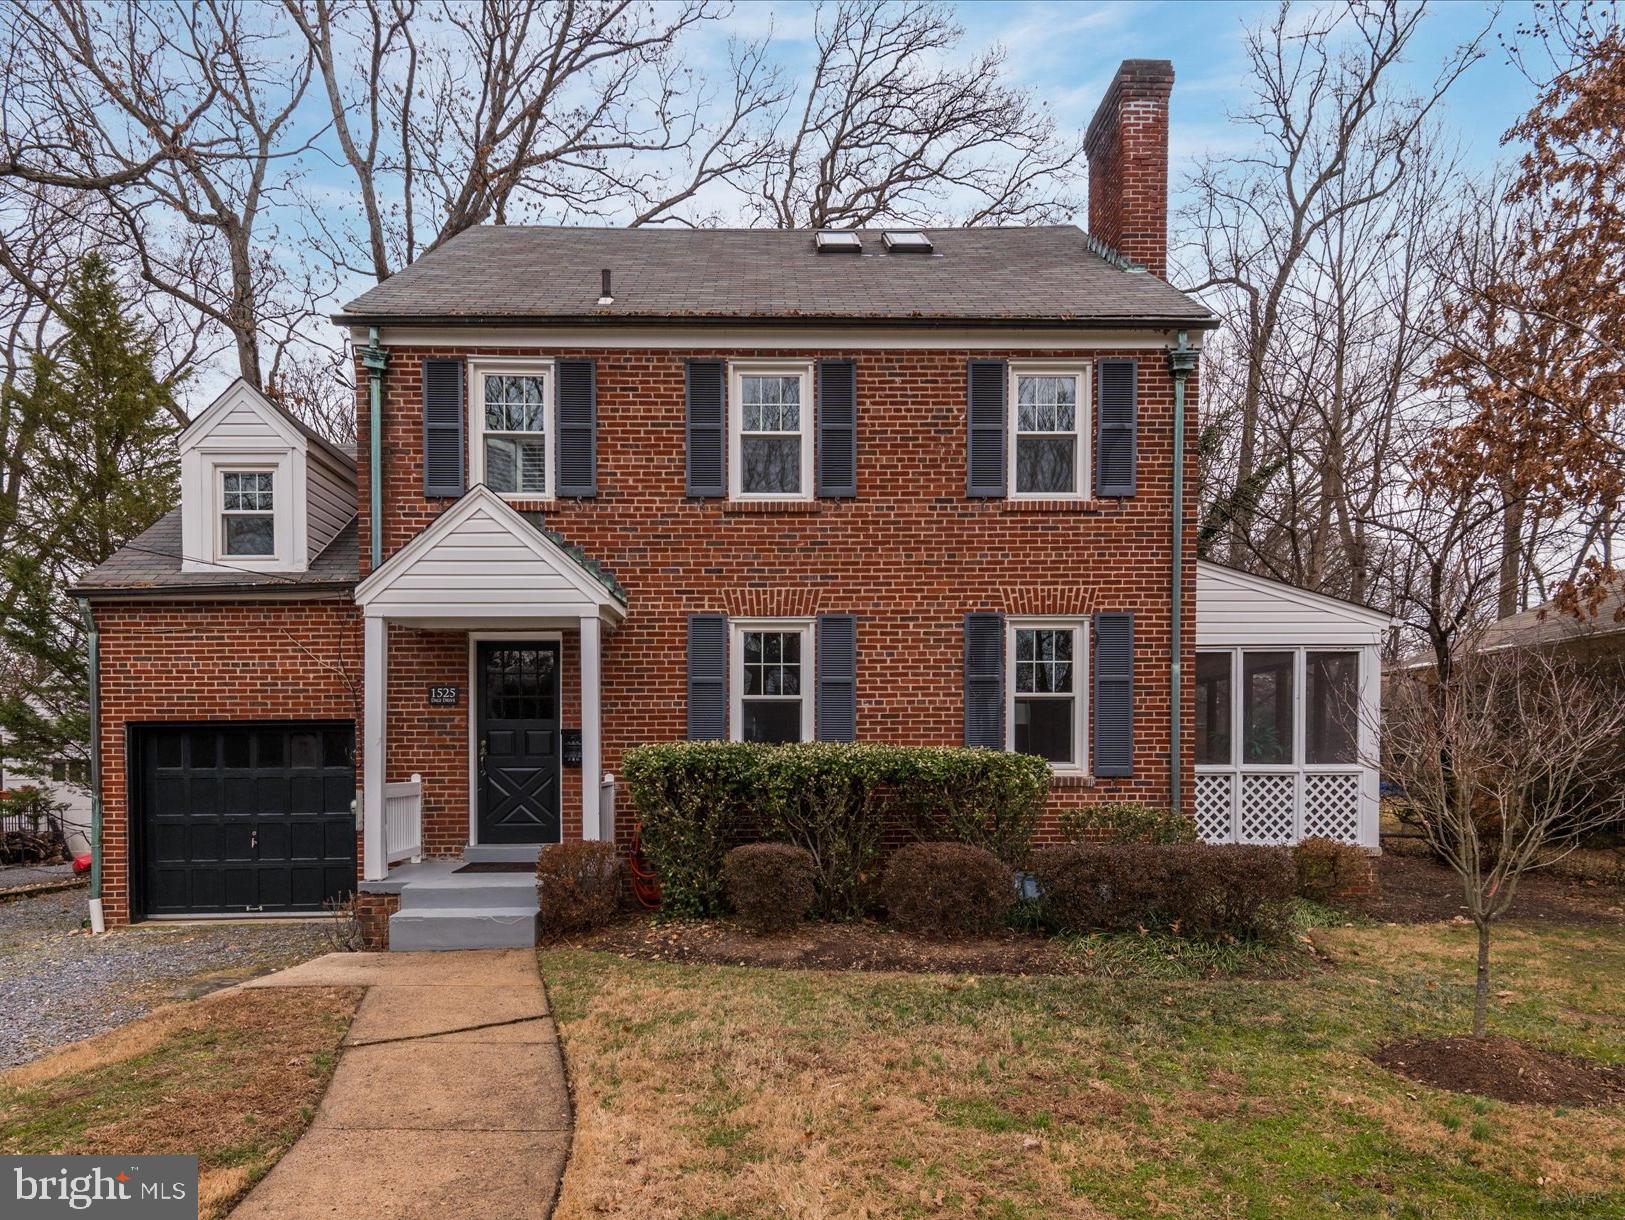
pixel 1416 889
pixel 822 946
pixel 1506 1069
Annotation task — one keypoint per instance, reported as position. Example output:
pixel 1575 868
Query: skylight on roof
pixel 908 241
pixel 838 239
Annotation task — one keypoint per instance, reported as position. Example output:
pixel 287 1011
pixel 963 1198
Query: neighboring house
pixel 624 486
pixel 65 781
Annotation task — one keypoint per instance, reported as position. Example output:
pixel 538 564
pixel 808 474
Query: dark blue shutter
pixel 985 419
pixel 837 712
pixel 1116 434
pixel 837 429
pixel 577 445
pixel 707 432
pixel 984 680
pixel 443 428
pixel 707 677
pixel 1114 695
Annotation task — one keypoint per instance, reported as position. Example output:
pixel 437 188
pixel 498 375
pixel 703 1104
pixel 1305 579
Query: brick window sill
pixel 1071 780
pixel 1055 507
pixel 771 508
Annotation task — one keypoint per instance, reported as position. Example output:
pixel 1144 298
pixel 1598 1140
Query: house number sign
pixel 444 696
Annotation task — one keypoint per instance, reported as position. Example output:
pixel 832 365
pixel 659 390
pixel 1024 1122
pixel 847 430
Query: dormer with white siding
pixel 260 492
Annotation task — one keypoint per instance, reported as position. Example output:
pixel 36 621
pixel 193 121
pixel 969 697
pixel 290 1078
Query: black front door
pixel 517 737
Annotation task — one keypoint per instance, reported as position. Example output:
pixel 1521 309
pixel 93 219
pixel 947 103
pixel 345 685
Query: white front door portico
pixel 484 569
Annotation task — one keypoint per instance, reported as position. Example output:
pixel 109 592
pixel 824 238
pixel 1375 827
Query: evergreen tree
pixel 100 468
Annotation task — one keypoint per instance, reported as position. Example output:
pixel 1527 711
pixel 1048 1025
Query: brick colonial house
pixel 623 486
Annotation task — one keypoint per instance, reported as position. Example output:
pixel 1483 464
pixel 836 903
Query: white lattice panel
pixel 1267 808
pixel 1213 793
pixel 1331 806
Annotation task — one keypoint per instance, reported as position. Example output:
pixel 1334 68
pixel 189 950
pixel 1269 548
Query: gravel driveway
pixel 58 984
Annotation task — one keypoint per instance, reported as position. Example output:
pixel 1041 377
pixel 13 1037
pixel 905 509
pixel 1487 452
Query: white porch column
pixel 375 705
pixel 591 748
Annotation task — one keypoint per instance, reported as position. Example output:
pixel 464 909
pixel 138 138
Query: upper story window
pixel 1049 415
pixel 247 513
pixel 1046 673
pixel 772 681
pixel 512 406
pixel 770 430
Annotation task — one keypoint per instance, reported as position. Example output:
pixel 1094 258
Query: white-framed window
pixel 770 431
pixel 1049 431
pixel 1278 708
pixel 771 683
pixel 247 514
pixel 511 428
pixel 1046 690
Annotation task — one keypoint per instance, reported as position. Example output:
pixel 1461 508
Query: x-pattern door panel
pixel 518 742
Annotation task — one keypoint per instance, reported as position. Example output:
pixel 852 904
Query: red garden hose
pixel 645 885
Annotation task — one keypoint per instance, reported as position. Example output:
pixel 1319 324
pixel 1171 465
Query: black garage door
pixel 244 817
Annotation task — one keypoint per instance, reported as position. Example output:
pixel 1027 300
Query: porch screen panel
pixel 1266 708
pixel 1332 725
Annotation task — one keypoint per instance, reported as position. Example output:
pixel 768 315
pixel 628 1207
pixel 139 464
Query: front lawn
pixel 720 1091
pixel 233 1080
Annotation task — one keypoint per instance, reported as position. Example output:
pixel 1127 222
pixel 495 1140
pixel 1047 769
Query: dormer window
pixel 247 513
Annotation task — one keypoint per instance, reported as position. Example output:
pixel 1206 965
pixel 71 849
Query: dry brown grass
pixel 720 1092
pixel 233 1079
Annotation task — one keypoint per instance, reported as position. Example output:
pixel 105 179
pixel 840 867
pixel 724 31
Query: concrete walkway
pixel 449 1098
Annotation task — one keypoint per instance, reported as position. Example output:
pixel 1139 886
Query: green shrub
pixel 1085 887
pixel 1216 891
pixel 1126 822
pixel 578 886
pixel 825 799
pixel 987 798
pixel 948 889
pixel 770 885
pixel 1329 870
pixel 1195 889
pixel 694 801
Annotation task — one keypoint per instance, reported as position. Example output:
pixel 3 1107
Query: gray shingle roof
pixel 151 563
pixel 1045 275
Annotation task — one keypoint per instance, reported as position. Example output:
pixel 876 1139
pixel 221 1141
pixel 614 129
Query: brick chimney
pixel 1127 145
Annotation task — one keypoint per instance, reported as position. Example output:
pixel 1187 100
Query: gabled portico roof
pixel 481 563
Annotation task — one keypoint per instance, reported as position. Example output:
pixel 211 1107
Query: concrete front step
pixel 483 853
pixel 470 891
pixel 437 928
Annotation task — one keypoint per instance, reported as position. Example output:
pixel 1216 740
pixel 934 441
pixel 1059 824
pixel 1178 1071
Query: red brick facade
pixel 186 662
pixel 910 556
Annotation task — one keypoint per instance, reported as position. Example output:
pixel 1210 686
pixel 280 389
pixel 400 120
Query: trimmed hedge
pixel 1329 870
pixel 691 798
pixel 948 889
pixel 1194 889
pixel 1126 822
pixel 578 886
pixel 825 799
pixel 697 799
pixel 770 885
pixel 987 798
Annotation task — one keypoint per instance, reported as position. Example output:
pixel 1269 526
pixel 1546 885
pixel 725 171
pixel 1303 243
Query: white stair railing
pixel 606 809
pixel 403 820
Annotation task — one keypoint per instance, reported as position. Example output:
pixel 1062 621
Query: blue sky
pixel 1067 51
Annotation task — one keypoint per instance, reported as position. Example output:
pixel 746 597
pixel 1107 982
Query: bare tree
pixel 1506 765
pixel 1307 244
pixel 887 127
pixel 178 120
pixel 451 115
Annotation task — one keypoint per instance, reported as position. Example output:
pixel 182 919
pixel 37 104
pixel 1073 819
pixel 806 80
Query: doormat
pixel 497 866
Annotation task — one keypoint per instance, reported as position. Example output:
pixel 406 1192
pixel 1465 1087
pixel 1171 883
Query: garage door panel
pixel 246 817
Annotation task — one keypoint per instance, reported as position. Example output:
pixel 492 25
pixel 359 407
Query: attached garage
pixel 242 818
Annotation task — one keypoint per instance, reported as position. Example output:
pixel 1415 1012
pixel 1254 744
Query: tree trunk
pixel 1510 582
pixel 1481 989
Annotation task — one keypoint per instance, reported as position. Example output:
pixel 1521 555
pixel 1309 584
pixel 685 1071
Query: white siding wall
pixel 332 502
pixel 1236 609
